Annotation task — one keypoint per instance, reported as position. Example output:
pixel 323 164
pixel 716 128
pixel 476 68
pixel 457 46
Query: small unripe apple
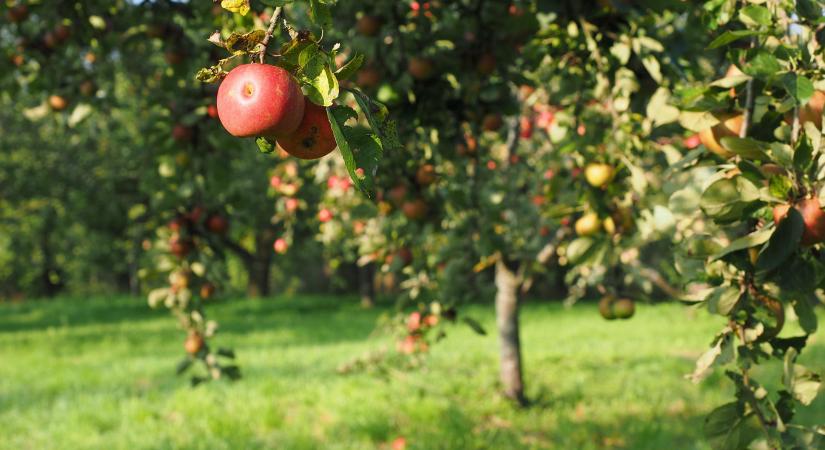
pixel 420 68
pixel 313 138
pixel 368 25
pixel 58 103
pixel 624 308
pixel 729 126
pixel 812 216
pixel 606 308
pixel 598 174
pixel 415 209
pixel 588 224
pixel 425 175
pixel 260 100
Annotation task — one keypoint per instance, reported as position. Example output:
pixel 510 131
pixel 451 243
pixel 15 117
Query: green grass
pixel 97 374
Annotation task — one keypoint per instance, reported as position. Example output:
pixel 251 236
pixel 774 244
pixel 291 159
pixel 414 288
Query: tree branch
pixel 272 23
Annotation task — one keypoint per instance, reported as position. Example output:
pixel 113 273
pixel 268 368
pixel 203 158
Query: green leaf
pixel 265 145
pixel 763 64
pixel 320 13
pixel 798 86
pixel 746 147
pixel 807 317
pixel 697 120
pixel 183 365
pixel 721 353
pixel 730 36
pixel 474 325
pixel 729 428
pixel 758 237
pixel 316 75
pixel 755 15
pixel 348 70
pixel 779 186
pixel 723 301
pixel 361 150
pixel 727 199
pixel 783 242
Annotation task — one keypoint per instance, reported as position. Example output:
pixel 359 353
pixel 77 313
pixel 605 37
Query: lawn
pixel 98 374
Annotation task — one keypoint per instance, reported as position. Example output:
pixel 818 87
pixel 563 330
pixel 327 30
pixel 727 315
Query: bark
pixel 259 264
pixel 507 322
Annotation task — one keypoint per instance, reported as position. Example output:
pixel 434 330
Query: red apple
pixel 217 224
pixel 525 127
pixel 324 215
pixel 812 216
pixel 181 133
pixel 425 175
pixel 212 111
pixel 420 68
pixel 58 103
pixel 492 122
pixel 260 100
pixel 415 209
pixel 313 139
pixel 280 246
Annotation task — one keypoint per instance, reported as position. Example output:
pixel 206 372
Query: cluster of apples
pixel 612 308
pixel 185 226
pixel 265 100
pixel 418 325
pixel 599 176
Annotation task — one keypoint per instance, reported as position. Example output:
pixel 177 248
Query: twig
pixel 273 21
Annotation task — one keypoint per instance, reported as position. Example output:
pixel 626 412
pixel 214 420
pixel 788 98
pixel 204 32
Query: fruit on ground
pixel 812 216
pixel 368 25
pixel 588 224
pixel 729 125
pixel 420 68
pixel 598 174
pixel 58 103
pixel 415 209
pixel 425 175
pixel 260 100
pixel 217 224
pixel 313 138
pixel 193 343
pixel 624 308
pixel 606 308
pixel 775 313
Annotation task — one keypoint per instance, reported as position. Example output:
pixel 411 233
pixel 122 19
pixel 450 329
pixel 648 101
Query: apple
pixel 492 122
pixel 17 60
pixel 415 209
pixel 368 25
pixel 196 214
pixel 217 224
pixel 58 103
pixel 606 308
pixel 177 224
pixel 193 343
pixel 588 224
pixel 812 216
pixel 525 91
pixel 291 204
pixel 313 138
pixel 491 165
pixel 18 13
pixel 398 194
pixel 87 88
pixel 212 111
pixel 62 33
pixel 275 182
pixel 420 68
pixel 425 175
pixel 812 112
pixel 181 133
pixel 537 200
pixel 598 174
pixel 624 308
pixel 368 77
pixel 280 246
pixel 414 321
pixel 207 290
pixel 260 100
pixel 324 215
pixel 525 127
pixel 609 225
pixel 486 64
pixel 180 246
pixel 692 141
pixel 729 125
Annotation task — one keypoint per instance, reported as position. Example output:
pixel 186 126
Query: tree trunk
pixel 49 270
pixel 258 265
pixel 366 285
pixel 507 284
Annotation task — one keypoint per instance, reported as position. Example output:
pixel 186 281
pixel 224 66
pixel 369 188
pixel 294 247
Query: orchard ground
pixel 98 374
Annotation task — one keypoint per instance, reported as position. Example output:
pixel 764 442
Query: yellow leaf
pixel 236 6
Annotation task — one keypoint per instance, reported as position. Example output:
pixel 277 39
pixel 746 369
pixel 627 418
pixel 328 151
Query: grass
pixel 97 374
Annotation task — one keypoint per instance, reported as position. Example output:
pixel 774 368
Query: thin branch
pixel 273 21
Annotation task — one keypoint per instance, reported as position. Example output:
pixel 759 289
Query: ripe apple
pixel 180 246
pixel 624 308
pixel 414 321
pixel 313 138
pixel 17 60
pixel 420 68
pixel 368 25
pixel 405 255
pixel 177 224
pixel 260 100
pixel 486 64
pixel 491 165
pixel 598 174
pixel 812 112
pixel 280 246
pixel 212 111
pixel 58 103
pixel 525 127
pixel 18 13
pixel 207 290
pixel 425 175
pixel 812 216
pixel 193 343
pixel 729 125
pixel 324 215
pixel 588 224
pixel 692 141
pixel 217 224
pixel 181 133
pixel 415 209
pixel 368 77
pixel 492 122
pixel 291 204
pixel 538 200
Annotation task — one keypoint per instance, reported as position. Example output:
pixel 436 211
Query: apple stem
pixel 272 22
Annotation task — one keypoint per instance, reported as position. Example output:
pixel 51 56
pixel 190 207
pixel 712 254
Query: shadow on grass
pixel 70 312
